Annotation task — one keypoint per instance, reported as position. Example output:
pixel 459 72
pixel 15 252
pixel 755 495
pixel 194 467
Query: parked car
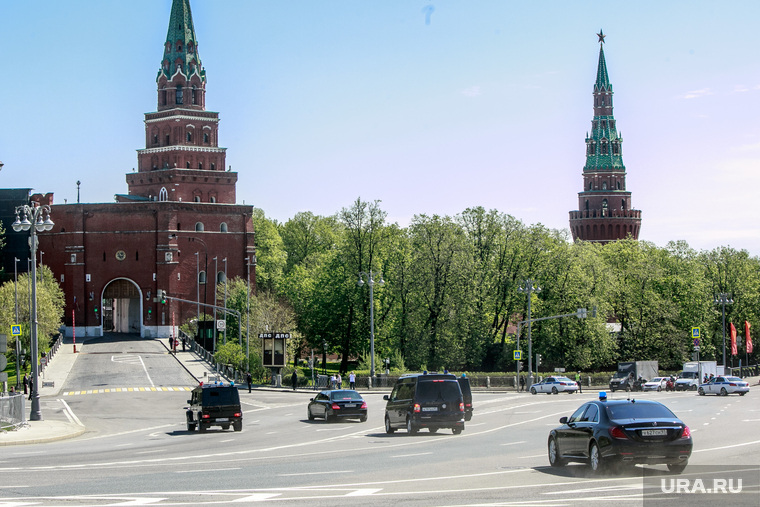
pixel 656 384
pixel 554 385
pixel 425 400
pixel 214 405
pixel 724 386
pixel 331 405
pixel 617 433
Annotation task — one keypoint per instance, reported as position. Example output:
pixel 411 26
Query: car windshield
pixel 345 395
pixel 563 379
pixel 639 411
pixel 438 390
pixel 221 397
pixel 657 379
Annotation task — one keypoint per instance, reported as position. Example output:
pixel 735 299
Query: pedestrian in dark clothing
pixel 183 344
pixel 294 379
pixel 522 383
pixel 249 380
pixel 26 384
pixel 31 387
pixel 171 343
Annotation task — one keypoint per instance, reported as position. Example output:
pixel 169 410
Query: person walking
pixel 522 383
pixel 31 387
pixel 352 380
pixel 339 381
pixel 26 384
pixel 294 379
pixel 249 380
pixel 578 381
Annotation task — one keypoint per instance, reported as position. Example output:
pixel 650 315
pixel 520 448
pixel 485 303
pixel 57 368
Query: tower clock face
pixel 121 255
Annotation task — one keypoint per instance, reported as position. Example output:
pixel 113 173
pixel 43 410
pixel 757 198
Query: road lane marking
pixel 70 413
pixel 410 455
pixel 313 473
pixel 726 447
pixel 514 443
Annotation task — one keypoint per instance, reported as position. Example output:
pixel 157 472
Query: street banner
pixel 733 340
pixel 748 342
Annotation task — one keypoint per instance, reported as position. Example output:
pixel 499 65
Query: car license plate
pixel 654 433
pixel 350 405
pixel 430 409
pixel 222 419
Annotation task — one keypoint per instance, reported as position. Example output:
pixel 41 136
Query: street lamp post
pixel 205 281
pixel 724 299
pixel 371 282
pixel 40 221
pixel 225 298
pixel 528 287
pixel 15 300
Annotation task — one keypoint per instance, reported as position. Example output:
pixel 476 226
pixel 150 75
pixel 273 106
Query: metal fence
pixel 12 410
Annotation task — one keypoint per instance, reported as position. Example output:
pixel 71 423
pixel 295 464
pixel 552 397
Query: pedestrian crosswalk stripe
pixel 127 390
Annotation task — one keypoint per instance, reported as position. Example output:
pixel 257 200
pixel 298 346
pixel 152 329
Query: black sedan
pixel 339 403
pixel 617 433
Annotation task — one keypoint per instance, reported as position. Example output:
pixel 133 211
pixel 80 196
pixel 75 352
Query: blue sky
pixel 430 107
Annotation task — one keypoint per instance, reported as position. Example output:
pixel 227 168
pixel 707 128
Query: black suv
pixel 425 400
pixel 214 405
pixel 464 385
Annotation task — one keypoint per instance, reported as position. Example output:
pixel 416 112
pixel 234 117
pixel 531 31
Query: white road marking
pixel 228 440
pixel 410 455
pixel 70 413
pixel 726 447
pixel 534 456
pixel 151 452
pixel 514 443
pixel 146 371
pixel 312 473
pixel 257 497
pixel 204 470
pixel 124 445
pixel 364 492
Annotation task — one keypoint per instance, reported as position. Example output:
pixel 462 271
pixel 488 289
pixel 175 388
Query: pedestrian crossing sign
pixel 15 330
pixel 518 355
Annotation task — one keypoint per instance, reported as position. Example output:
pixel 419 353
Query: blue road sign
pixel 15 330
pixel 518 355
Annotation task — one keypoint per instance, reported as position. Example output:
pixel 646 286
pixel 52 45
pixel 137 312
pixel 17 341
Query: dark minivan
pixel 214 405
pixel 425 400
pixel 464 385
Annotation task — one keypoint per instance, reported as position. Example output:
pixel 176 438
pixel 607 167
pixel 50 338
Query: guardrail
pixel 12 410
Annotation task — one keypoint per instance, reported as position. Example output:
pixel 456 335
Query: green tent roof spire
pixel 181 47
pixel 602 79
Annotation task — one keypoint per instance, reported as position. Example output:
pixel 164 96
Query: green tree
pixel 270 253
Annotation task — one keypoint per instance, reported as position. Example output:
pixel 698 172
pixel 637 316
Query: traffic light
pixel 593 312
pixel 538 359
pixel 96 310
pixel 162 296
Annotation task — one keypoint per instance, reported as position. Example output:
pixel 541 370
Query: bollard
pixel 488 382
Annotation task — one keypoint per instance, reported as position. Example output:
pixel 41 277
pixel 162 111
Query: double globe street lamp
pixel 724 299
pixel 40 222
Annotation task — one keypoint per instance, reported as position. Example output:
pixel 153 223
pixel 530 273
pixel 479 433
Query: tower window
pixel 187 165
pixel 163 195
pixel 155 138
pixel 200 165
pixel 604 185
pixel 212 199
pixel 195 95
pixel 205 138
pixel 618 186
pixel 178 95
pixel 223 227
pixel 199 227
pixel 604 148
pixel 590 187
pixel 213 166
pixel 623 204
pixel 189 137
pixel 197 198
pixel 202 277
pixel 168 140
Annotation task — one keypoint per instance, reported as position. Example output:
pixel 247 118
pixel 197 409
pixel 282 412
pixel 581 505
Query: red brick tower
pixel 604 210
pixel 182 160
pixel 178 229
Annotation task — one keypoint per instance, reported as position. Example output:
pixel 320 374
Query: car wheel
pixel 309 414
pixel 555 459
pixel 693 388
pixel 225 426
pixel 742 394
pixel 628 389
pixel 457 430
pixel 701 392
pixel 468 415
pixel 532 390
pixel 410 427
pixel 594 458
pixel 363 419
pixel 723 391
pixel 190 426
pixel 677 468
pixel 554 390
pixel 388 428
pixel 201 427
pixel 659 389
pixel 613 390
pixel 433 430
pixel 237 426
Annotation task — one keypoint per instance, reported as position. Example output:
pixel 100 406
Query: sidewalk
pixel 51 383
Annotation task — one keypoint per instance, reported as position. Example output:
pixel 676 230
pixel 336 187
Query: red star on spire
pixel 601 36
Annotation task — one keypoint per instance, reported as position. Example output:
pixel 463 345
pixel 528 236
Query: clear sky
pixel 428 106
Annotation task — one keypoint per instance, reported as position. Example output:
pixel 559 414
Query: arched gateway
pixel 122 304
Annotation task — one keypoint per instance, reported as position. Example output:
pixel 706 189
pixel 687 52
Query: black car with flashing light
pixel 214 405
pixel 425 400
pixel 618 433
pixel 332 405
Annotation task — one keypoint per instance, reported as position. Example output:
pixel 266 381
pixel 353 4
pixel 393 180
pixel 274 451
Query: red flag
pixel 748 341
pixel 733 340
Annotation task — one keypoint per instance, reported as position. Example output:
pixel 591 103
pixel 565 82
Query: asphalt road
pixel 137 450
